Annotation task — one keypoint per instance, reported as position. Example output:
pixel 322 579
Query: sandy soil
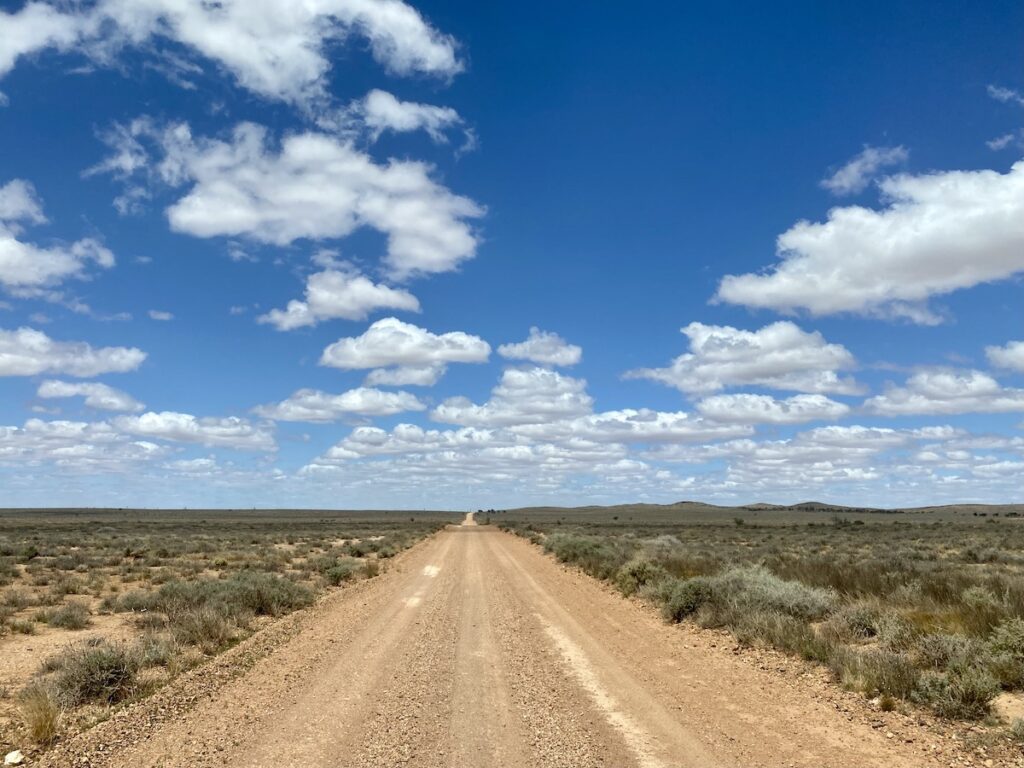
pixel 474 650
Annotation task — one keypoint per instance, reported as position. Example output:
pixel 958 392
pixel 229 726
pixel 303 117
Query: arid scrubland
pixel 101 607
pixel 914 608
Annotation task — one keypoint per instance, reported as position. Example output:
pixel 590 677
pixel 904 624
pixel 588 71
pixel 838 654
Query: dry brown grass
pixel 41 714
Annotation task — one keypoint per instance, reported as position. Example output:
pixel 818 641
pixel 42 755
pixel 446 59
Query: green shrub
pixel 70 616
pixel 852 623
pixel 638 573
pixel 1004 653
pixel 22 627
pixel 938 651
pixel 96 671
pixel 156 650
pixel 681 598
pixel 965 692
pixel 599 557
pixel 895 633
pixel 342 571
pixel 981 609
pixel 205 628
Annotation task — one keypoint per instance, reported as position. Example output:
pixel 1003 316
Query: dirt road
pixel 476 651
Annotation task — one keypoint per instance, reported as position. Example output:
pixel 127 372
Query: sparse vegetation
pixel 174 588
pixel 924 607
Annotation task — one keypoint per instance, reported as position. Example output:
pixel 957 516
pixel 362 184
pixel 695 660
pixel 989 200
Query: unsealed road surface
pixel 474 650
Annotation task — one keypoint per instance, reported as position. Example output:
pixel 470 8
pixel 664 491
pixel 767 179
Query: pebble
pixel 14 758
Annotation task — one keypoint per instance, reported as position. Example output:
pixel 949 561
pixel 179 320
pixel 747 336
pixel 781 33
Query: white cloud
pixel 390 342
pixel 35 27
pixel 764 409
pixel 230 432
pixel 939 232
pixel 380 111
pixel 862 169
pixel 74 445
pixel 532 396
pixel 1010 357
pixel 336 293
pixel 27 269
pixel 643 425
pixel 204 467
pixel 544 348
pixel 99 396
pixel 1002 142
pixel 276 48
pixel 778 356
pixel 942 391
pixel 19 202
pixel 406 376
pixel 1005 95
pixel 313 186
pixel 315 406
pixel 27 352
pixel 157 314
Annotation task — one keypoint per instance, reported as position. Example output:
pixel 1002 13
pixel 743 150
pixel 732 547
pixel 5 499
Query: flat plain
pixel 474 646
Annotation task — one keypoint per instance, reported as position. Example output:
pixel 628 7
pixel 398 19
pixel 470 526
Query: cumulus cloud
pixel 27 269
pixel 99 396
pixel 947 391
pixel 1010 357
pixel 765 409
pixel 862 169
pixel 312 186
pixel 529 396
pixel 74 445
pixel 275 48
pixel 855 458
pixel 28 352
pixel 158 314
pixel 778 356
pixel 643 425
pixel 406 376
pixel 230 432
pixel 335 293
pixel 19 202
pixel 380 111
pixel 312 405
pixel 390 342
pixel 938 233
pixel 544 348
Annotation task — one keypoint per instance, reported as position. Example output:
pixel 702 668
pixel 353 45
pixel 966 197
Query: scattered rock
pixel 14 758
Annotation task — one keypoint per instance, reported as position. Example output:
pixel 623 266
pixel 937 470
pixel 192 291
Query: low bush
pixel 681 598
pixel 755 588
pixel 205 628
pixel 638 573
pixel 597 556
pixel 341 571
pixel 940 650
pixel 964 692
pixel 70 616
pixel 1004 653
pixel 96 671
pixel 876 672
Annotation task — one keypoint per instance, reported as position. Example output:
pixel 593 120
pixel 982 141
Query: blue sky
pixel 258 255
